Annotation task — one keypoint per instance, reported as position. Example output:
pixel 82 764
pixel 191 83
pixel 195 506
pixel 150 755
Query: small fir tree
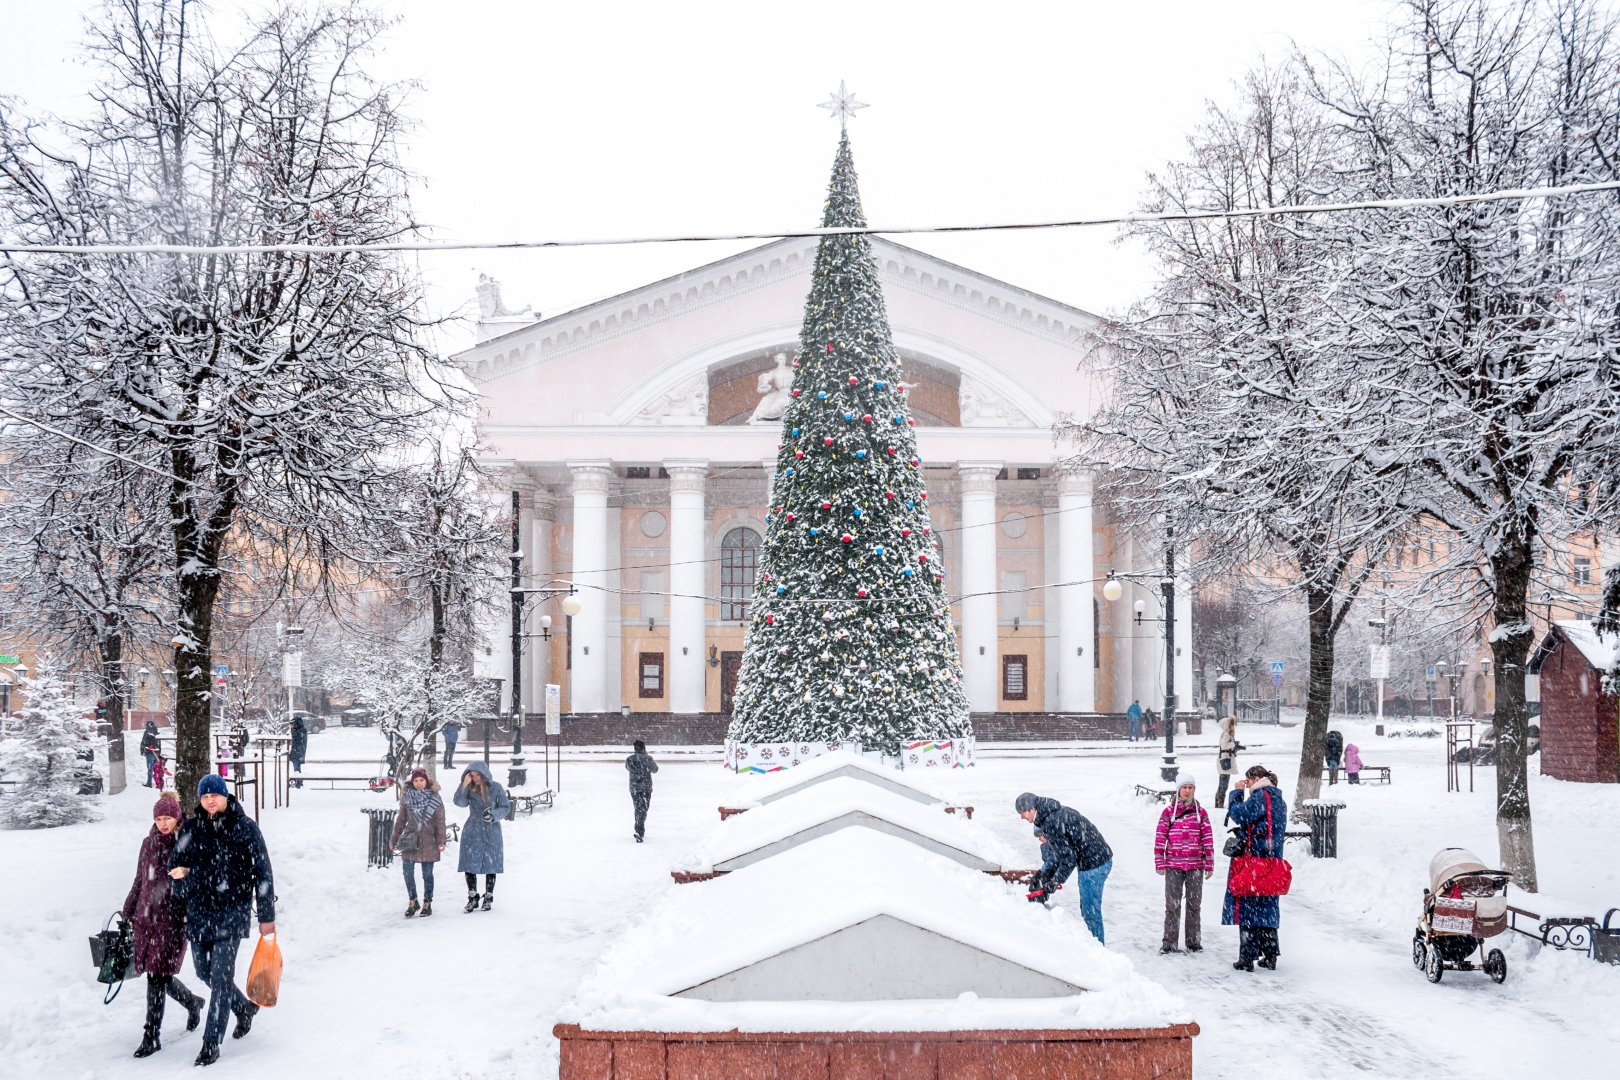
pixel 850 637
pixel 44 760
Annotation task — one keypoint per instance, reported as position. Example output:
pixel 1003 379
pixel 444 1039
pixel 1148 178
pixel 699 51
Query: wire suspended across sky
pixel 1132 218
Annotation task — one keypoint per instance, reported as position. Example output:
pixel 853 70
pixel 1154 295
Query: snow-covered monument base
pixel 861 954
pixel 770 757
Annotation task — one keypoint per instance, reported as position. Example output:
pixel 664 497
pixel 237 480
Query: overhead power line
pixel 1133 218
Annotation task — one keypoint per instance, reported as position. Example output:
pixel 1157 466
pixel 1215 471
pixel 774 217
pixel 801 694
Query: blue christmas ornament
pixel 796 430
pixel 812 532
pixel 781 590
pixel 822 396
pixel 849 416
pixel 909 502
pixel 857 511
pixel 906 571
pixel 898 420
pixel 790 470
pixel 880 386
pixel 879 549
pixel 860 453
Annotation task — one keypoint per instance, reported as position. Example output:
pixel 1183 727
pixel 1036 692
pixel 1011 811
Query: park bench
pixel 525 804
pixel 1575 933
pixel 1381 770
pixel 1163 795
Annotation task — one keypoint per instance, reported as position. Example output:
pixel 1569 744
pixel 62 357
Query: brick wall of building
pixel 1580 725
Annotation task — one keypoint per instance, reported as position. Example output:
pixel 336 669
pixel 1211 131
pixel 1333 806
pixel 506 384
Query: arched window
pixel 739 562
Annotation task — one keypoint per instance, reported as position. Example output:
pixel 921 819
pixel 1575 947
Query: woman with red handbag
pixel 1257 875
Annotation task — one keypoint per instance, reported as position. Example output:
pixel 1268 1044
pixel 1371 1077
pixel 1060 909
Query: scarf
pixel 422 805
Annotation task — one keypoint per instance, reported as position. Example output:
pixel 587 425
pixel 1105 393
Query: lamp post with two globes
pixel 1112 591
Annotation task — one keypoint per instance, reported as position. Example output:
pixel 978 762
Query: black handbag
pixel 1234 845
pixel 113 954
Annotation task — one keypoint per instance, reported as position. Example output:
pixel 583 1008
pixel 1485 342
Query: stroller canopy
pixel 1449 863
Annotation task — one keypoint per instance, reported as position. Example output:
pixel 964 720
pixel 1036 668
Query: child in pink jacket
pixel 1352 762
pixel 1184 853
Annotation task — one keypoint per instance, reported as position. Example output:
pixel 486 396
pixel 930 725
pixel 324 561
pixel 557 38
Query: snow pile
pixel 696 933
pixel 1602 651
pixel 843 763
pixel 824 804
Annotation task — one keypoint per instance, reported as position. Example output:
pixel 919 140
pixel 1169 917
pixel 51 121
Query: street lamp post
pixel 518 775
pixel 1112 591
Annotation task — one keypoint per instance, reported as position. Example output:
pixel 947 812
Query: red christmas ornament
pixel 853 380
pixel 925 527
pixel 867 418
pixel 891 449
pixel 795 393
pixel 911 423
pixel 924 495
pixel 891 494
pixel 767 577
pixel 829 346
pixel 905 532
pixel 847 538
pixel 827 441
pixel 861 593
pixel 922 558
pixel 770 619
pixel 798 454
pixel 790 515
pixel 826 505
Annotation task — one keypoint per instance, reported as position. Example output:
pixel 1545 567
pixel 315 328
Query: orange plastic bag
pixel 264 975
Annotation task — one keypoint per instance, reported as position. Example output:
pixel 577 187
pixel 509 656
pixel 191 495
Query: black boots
pixel 489 901
pixel 472 902
pixel 193 1004
pixel 244 1021
pixel 150 1044
pixel 208 1054
pixel 427 908
pixel 412 908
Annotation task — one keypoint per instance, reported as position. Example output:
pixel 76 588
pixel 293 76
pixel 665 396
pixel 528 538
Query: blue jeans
pixel 151 767
pixel 410 879
pixel 1091 890
pixel 215 962
pixel 1136 728
pixel 449 753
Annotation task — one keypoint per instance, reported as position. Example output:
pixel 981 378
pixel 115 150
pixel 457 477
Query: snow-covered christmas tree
pixel 850 638
pixel 44 760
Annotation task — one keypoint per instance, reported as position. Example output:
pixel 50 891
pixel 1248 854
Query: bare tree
pixel 82 551
pixel 1494 324
pixel 1227 412
pixel 278 391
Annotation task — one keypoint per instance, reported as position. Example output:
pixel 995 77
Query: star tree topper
pixel 842 105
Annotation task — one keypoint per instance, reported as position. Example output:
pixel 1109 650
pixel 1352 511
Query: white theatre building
pixel 634 429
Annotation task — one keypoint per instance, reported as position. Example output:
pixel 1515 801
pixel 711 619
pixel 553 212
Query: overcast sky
pixel 598 119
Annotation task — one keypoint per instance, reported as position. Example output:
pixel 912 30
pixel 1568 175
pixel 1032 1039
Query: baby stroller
pixel 1466 902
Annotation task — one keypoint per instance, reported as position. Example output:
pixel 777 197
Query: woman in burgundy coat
pixel 159 919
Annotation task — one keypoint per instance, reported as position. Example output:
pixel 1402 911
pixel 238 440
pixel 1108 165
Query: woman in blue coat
pixel 1259 809
pixel 481 848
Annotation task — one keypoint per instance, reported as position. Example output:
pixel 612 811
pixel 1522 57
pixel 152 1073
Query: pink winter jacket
pixel 1184 840
pixel 1352 758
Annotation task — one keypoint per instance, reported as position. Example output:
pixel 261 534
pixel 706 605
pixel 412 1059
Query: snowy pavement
pixel 462 995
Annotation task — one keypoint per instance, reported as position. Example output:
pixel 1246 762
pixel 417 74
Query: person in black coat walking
pixel 222 872
pixel 1071 843
pixel 640 767
pixel 1332 752
pixel 150 749
pixel 300 746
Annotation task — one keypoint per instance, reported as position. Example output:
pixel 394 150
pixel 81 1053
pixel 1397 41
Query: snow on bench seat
pixel 831 806
pixel 860 931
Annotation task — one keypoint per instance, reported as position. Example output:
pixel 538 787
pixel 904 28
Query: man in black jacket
pixel 1070 843
pixel 641 767
pixel 221 872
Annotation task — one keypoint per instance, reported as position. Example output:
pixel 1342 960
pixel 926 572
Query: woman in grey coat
pixel 481 848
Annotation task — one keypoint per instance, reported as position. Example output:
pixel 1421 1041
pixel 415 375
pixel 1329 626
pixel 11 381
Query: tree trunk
pixel 193 693
pixel 112 677
pixel 1318 697
pixel 1510 648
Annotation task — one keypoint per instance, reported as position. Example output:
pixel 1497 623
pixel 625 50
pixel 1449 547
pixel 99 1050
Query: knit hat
pixel 418 772
pixel 1185 780
pixel 1026 802
pixel 212 784
pixel 168 806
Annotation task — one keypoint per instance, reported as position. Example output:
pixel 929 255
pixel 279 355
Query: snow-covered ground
pixel 462 995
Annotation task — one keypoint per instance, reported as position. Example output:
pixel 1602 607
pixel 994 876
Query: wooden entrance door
pixel 730 665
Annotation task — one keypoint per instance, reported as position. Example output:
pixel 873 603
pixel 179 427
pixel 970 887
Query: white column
pixel 980 650
pixel 526 490
pixel 1147 639
pixel 538 650
pixel 591 480
pixel 1077 687
pixel 688 576
pixel 1184 628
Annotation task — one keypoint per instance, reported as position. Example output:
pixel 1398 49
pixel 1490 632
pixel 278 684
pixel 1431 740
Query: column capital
pixel 1073 481
pixel 592 475
pixel 543 503
pixel 687 474
pixel 979 477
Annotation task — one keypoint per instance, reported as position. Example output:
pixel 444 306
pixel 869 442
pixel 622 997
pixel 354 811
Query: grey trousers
pixel 1179 883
